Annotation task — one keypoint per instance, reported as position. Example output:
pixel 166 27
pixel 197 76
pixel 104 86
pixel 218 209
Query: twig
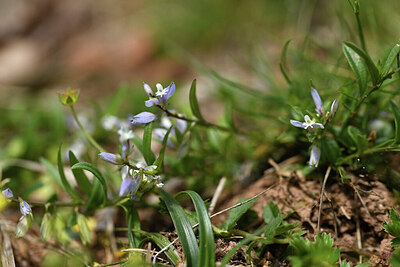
pixel 217 194
pixel 328 171
pixel 335 219
pixel 361 200
pixel 345 213
pixel 215 214
pixel 358 231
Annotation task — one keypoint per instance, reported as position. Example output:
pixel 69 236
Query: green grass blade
pixel 133 221
pixel 282 64
pixel 160 158
pixel 161 241
pixel 183 228
pixel 68 188
pixel 81 179
pixel 391 58
pixel 147 153
pixel 243 242
pixel 206 234
pixel 96 172
pixel 396 113
pixel 97 197
pixel 194 105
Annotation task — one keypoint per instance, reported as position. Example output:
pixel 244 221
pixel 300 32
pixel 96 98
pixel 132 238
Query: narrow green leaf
pixel 97 197
pixel 138 143
pixel 358 67
pixel 96 172
pixel 160 158
pixel 147 153
pixel 81 179
pixel 206 234
pixel 84 231
pixel 242 243
pixel 161 241
pixel 183 228
pixel 373 70
pixel 396 113
pixel 273 217
pixel 282 64
pixel 390 58
pixel 68 188
pixel 194 105
pixel 237 212
pixel 133 221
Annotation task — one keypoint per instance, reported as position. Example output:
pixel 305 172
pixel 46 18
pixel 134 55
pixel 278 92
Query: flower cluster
pixel 159 99
pixel 310 124
pixel 134 176
pixel 25 221
pixel 140 176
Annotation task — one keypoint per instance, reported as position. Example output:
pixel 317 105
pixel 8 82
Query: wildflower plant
pixel 338 132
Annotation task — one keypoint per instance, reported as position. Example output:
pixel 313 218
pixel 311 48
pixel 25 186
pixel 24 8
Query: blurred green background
pixel 108 48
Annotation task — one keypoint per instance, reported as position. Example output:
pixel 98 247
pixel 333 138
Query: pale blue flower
pixel 142 118
pixel 111 158
pixel 317 100
pixel 161 96
pixel 308 124
pixel 314 156
pixel 129 185
pixel 334 107
pixel 8 193
pixel 24 208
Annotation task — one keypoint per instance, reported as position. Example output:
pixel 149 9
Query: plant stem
pixel 58 204
pixel 199 122
pixel 360 31
pixel 368 151
pixel 88 136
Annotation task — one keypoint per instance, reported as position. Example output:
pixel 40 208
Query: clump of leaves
pixel 393 228
pixel 317 253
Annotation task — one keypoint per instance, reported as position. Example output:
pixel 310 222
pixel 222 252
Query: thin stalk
pixel 58 204
pixel 368 151
pixel 360 31
pixel 88 136
pixel 198 122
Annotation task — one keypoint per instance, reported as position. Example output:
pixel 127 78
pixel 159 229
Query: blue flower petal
pixel 334 107
pixel 8 193
pixel 25 208
pixel 142 118
pixel 110 158
pixel 171 91
pixel 297 124
pixel 148 89
pixel 317 100
pixel 152 102
pixel 314 156
pixel 126 186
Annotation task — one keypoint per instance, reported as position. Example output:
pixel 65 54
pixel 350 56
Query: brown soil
pixel 343 216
